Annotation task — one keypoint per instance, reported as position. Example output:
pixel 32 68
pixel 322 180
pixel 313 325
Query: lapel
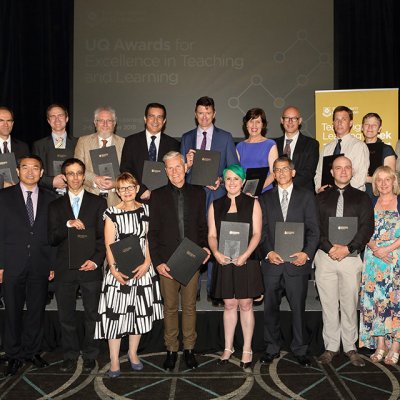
pixel 299 149
pixel 161 151
pixel 193 138
pixel 68 208
pixel 279 144
pixel 292 204
pixel 276 204
pixel 118 142
pixel 21 204
pixel 142 146
pixel 215 138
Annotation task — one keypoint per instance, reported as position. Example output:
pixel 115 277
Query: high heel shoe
pixel 135 367
pixel 246 365
pixel 225 360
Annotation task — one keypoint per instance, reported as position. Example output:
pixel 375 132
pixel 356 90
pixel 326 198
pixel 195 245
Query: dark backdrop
pixel 36 54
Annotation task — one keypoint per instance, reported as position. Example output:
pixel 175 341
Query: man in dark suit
pixel 151 144
pixel 57 117
pixel 80 210
pixel 303 150
pixel 286 203
pixel 177 210
pixel 26 261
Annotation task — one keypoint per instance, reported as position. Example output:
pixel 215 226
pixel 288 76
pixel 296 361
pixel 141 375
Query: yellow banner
pixel 361 101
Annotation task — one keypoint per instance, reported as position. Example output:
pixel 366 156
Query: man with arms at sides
pixel 287 202
pixel 151 144
pixel 81 210
pixel 301 149
pixel 177 210
pixel 338 275
pixel 208 137
pixel 105 121
pixel 57 117
pixel 26 261
pixel 349 146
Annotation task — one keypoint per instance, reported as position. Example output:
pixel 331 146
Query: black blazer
pixel 163 232
pixel 135 152
pixel 22 245
pixel 302 208
pixel 305 158
pixel 42 147
pixel 19 148
pixel 91 214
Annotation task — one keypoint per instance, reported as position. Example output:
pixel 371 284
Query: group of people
pixel 37 214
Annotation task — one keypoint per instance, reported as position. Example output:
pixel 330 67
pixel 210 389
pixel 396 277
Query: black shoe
pixel 68 365
pixel 13 367
pixel 88 365
pixel 169 363
pixel 190 359
pixel 303 360
pixel 267 358
pixel 37 361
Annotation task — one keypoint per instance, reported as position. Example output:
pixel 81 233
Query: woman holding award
pixel 380 287
pixel 237 277
pixel 128 304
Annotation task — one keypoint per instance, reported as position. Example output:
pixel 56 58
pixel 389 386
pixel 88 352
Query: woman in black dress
pixel 238 280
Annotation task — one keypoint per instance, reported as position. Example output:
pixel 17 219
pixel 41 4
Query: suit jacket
pixel 24 246
pixel 302 208
pixel 19 148
pixel 91 214
pixel 42 147
pixel 135 152
pixel 163 235
pixel 222 141
pixel 305 158
pixel 82 151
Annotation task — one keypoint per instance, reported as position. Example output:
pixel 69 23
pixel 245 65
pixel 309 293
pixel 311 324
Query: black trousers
pixel 66 303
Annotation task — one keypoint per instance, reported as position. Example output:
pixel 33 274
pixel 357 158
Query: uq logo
pixel 100 44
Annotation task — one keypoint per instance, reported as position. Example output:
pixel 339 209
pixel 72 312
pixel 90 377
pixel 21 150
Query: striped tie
pixel 284 204
pixel 59 142
pixel 340 204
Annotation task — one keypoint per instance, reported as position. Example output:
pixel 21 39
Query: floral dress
pixel 380 286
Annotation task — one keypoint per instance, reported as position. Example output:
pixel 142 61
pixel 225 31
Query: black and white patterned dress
pixel 129 309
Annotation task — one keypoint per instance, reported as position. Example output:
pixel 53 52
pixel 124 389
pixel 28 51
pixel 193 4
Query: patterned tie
pixel 338 148
pixel 152 150
pixel 340 204
pixel 75 206
pixel 29 207
pixel 287 150
pixel 59 142
pixel 5 148
pixel 204 141
pixel 284 204
pixel 104 142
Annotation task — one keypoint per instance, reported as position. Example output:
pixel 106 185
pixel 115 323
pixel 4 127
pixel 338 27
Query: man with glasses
pixel 301 149
pixel 287 203
pixel 81 210
pixel 347 145
pixel 151 144
pixel 57 117
pixel 105 121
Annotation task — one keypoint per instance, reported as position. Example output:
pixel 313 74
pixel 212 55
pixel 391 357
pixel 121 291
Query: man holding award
pixel 290 236
pixel 347 223
pixel 177 212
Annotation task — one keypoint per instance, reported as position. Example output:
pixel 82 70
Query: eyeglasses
pixel 129 188
pixel 8 121
pixel 282 170
pixel 105 121
pixel 71 174
pixel 291 119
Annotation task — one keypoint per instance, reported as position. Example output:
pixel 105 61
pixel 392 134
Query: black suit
pixel 19 148
pixel 286 277
pixel 68 281
pixel 42 147
pixel 135 152
pixel 305 159
pixel 26 258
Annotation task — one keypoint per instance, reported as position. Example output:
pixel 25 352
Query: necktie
pixel 340 204
pixel 338 148
pixel 29 207
pixel 204 141
pixel 287 150
pixel 5 148
pixel 284 204
pixel 75 206
pixel 152 150
pixel 59 142
pixel 104 142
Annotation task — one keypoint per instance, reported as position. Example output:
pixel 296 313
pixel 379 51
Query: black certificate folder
pixel 185 261
pixel 154 175
pixel 81 246
pixel 233 238
pixel 205 167
pixel 127 254
pixel 289 239
pixel 105 161
pixel 8 167
pixel 342 230
pixel 55 159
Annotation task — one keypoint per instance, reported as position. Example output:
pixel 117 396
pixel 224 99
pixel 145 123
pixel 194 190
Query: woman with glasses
pixel 128 304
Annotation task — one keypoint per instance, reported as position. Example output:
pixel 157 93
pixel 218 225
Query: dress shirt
pixel 156 140
pixel 186 203
pixel 55 136
pixel 356 204
pixel 292 144
pixel 34 197
pixel 109 141
pixel 354 149
pixel 8 144
pixel 200 136
pixel 289 193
